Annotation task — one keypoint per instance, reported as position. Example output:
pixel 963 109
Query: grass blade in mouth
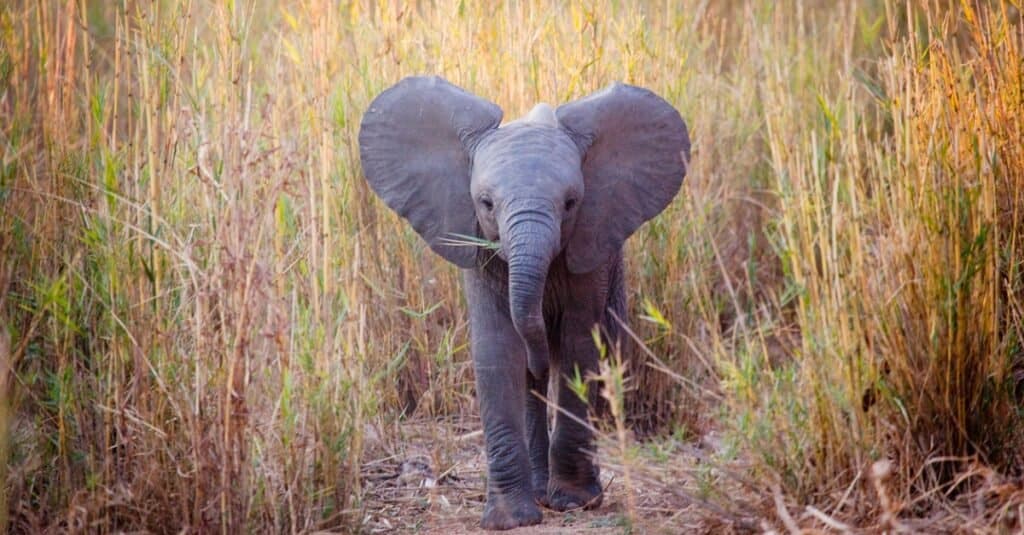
pixel 462 240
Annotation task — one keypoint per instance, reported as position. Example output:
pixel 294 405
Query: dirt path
pixel 431 481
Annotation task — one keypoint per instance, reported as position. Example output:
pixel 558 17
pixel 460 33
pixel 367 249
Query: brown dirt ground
pixel 431 481
pixel 428 478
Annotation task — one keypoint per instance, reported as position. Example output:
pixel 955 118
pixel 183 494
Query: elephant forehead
pixel 525 146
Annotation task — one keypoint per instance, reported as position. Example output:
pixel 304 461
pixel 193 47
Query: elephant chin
pixel 529 249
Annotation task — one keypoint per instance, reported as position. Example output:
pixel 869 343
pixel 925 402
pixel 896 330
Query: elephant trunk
pixel 531 240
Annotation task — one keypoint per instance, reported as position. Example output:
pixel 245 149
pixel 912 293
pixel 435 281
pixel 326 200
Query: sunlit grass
pixel 208 310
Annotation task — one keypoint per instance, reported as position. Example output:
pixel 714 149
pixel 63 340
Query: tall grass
pixel 898 232
pixel 208 311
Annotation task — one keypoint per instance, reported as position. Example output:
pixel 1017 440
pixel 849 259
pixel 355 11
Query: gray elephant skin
pixel 558 191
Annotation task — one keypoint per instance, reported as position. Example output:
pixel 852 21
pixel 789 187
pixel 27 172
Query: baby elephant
pixel 558 192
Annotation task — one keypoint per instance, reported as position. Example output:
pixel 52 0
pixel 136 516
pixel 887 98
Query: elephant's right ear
pixel 416 142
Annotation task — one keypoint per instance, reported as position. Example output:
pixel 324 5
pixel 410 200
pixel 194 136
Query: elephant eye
pixel 570 203
pixel 488 204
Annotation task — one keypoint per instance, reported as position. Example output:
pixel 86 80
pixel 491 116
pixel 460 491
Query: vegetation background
pixel 209 323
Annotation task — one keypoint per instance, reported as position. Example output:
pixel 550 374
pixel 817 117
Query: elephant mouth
pixel 500 250
pixel 492 246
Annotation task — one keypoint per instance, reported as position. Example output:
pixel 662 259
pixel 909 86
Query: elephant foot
pixel 540 487
pixel 563 496
pixel 540 493
pixel 506 512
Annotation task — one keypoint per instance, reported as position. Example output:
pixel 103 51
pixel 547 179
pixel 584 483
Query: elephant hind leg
pixel 574 475
pixel 537 437
pixel 612 336
pixel 616 305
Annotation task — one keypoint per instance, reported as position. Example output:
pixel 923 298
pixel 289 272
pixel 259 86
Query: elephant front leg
pixel 537 433
pixel 499 360
pixel 574 481
pixel 510 497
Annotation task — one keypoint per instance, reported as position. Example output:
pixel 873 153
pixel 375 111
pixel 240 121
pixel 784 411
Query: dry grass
pixel 209 322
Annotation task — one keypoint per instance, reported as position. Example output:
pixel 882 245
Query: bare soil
pixel 432 481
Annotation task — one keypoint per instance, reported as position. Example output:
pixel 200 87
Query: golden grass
pixel 208 311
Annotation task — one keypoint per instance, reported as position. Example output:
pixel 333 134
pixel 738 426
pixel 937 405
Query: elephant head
pixel 578 180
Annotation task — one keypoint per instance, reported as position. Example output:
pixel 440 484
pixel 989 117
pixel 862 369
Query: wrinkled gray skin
pixel 560 190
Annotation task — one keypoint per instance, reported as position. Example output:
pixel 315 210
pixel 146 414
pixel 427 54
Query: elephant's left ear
pixel 635 153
